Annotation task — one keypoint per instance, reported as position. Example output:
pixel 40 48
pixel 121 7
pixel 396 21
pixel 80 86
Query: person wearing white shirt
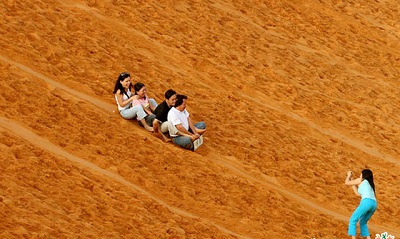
pixel 187 130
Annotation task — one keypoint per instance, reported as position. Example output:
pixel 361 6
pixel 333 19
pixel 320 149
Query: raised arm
pixel 353 182
pixel 355 190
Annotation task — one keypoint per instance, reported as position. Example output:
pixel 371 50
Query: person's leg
pixel 141 116
pixel 364 232
pixel 173 131
pixel 128 113
pixel 183 141
pixel 168 126
pixel 156 125
pixel 153 102
pixel 146 126
pixel 162 128
pixel 355 217
pixel 150 119
pixel 200 127
pixel 371 204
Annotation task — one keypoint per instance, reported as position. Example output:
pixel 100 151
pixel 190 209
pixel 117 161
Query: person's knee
pixel 165 128
pixel 141 114
pixel 150 119
pixel 201 125
pixel 153 102
pixel 184 142
pixel 353 220
pixel 187 143
pixel 171 128
pixel 363 221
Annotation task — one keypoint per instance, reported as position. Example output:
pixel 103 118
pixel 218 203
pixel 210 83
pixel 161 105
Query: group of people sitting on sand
pixel 170 118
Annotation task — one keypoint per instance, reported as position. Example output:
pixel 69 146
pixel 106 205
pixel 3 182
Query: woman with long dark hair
pixel 363 186
pixel 124 99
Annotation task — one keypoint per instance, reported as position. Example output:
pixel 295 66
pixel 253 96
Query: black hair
pixel 137 87
pixel 169 93
pixel 367 175
pixel 179 100
pixel 118 85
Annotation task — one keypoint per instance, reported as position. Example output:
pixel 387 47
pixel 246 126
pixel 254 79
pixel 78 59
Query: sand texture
pixel 294 94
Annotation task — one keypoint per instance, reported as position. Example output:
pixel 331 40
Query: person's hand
pixel 192 138
pixel 349 174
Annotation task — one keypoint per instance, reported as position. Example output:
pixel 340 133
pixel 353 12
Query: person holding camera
pixel 363 186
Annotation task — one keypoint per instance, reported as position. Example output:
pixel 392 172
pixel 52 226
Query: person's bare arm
pixel 183 132
pixel 353 182
pixel 355 190
pixel 147 109
pixel 122 102
pixel 193 128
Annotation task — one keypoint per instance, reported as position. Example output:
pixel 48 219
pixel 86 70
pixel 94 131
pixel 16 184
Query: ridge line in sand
pixel 109 107
pixel 275 186
pixel 15 128
pixel 272 105
pixel 99 103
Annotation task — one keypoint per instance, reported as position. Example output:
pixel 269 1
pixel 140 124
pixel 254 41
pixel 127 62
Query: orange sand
pixel 294 95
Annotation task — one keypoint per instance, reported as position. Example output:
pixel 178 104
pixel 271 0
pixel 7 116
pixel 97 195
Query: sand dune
pixel 293 94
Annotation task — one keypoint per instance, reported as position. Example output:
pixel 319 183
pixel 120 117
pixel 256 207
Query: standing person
pixel 161 123
pixel 187 130
pixel 124 98
pixel 148 104
pixel 363 186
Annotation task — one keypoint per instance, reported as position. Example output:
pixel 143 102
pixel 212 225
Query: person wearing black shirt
pixel 161 124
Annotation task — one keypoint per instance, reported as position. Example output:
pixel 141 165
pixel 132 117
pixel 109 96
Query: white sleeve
pixel 173 117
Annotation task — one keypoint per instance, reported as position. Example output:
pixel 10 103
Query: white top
pixel 366 191
pixel 124 97
pixel 178 117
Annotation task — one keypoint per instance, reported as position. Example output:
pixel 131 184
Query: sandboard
pixel 197 142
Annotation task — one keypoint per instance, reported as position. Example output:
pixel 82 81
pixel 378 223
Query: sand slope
pixel 293 94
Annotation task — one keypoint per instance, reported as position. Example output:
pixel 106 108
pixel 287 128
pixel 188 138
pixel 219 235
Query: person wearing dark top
pixel 161 124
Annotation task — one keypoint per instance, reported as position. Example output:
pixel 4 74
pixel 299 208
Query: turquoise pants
pixel 362 213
